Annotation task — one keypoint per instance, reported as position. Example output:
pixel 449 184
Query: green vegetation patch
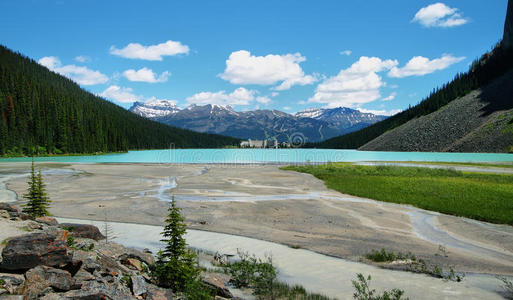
pixel 485 197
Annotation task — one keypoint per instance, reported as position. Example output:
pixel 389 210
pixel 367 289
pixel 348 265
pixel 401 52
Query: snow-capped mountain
pixel 342 117
pixel 154 108
pixel 314 124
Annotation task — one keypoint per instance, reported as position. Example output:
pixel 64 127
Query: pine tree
pixel 37 200
pixel 176 265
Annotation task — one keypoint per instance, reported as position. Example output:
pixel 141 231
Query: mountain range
pixel 313 125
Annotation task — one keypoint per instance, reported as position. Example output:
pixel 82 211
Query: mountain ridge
pixel 260 123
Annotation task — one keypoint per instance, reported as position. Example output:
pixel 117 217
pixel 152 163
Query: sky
pixel 376 56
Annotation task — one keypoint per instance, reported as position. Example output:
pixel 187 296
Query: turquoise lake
pixel 246 156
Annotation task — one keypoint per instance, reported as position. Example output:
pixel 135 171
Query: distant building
pixel 271 143
pixel 257 144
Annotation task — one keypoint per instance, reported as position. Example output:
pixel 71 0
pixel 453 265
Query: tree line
pixel 491 65
pixel 43 112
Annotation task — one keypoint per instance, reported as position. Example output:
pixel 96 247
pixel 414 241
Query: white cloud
pixel 390 97
pixel 83 58
pixel 346 52
pixel 240 96
pixel 263 100
pixel 153 52
pixel 439 15
pixel 244 68
pixel 120 94
pixel 145 75
pixel 287 108
pixel 274 94
pixel 381 112
pixel 81 75
pixel 419 65
pixel 357 84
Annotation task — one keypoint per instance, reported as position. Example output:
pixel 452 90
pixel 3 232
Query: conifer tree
pixel 37 200
pixel 176 265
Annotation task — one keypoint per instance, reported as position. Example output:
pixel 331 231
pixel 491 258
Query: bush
pixel 364 292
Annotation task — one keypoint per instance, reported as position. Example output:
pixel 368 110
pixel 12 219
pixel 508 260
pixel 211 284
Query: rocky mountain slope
pixel 313 124
pixel 481 121
pixel 476 122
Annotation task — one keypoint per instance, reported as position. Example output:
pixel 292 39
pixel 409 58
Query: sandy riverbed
pixel 266 203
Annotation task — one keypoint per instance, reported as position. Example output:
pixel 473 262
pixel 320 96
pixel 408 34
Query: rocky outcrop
pixel 83 231
pixel 81 268
pixel 42 279
pixel 29 251
pixel 507 40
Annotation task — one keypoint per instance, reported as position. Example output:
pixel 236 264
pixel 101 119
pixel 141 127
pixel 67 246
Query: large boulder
pixel 11 282
pixel 47 220
pixel 156 293
pixel 215 284
pixel 92 290
pixel 139 286
pixel 28 251
pixel 83 231
pixel 40 278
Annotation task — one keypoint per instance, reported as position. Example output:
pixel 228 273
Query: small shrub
pixel 70 242
pixel 194 289
pixel 4 242
pixel 507 286
pixel 364 292
pixel 26 229
pixel 127 280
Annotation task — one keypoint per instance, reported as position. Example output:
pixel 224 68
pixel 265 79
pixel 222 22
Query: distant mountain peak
pixel 314 123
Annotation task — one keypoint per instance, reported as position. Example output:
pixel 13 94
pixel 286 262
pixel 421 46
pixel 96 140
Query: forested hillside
pixel 43 112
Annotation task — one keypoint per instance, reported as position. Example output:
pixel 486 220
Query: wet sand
pixel 263 202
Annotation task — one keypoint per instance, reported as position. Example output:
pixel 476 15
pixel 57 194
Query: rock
pixel 139 286
pixel 157 293
pixel 25 252
pixel 216 284
pixel 11 281
pixel 34 225
pixel 39 279
pixel 133 264
pixel 25 216
pixel 146 258
pixel 80 278
pixel 9 208
pixel 88 259
pixel 52 296
pixel 4 214
pixel 148 251
pixel 47 220
pixel 93 290
pixel 83 231
pixel 11 297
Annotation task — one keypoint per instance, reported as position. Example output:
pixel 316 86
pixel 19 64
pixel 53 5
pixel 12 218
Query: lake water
pixel 230 156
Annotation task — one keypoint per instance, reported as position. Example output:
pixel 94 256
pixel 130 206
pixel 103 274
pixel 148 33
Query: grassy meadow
pixel 485 197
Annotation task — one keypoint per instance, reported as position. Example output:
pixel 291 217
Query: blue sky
pixel 378 56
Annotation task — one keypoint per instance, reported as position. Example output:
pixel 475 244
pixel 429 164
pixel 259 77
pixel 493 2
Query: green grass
pixel 463 164
pixel 486 197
